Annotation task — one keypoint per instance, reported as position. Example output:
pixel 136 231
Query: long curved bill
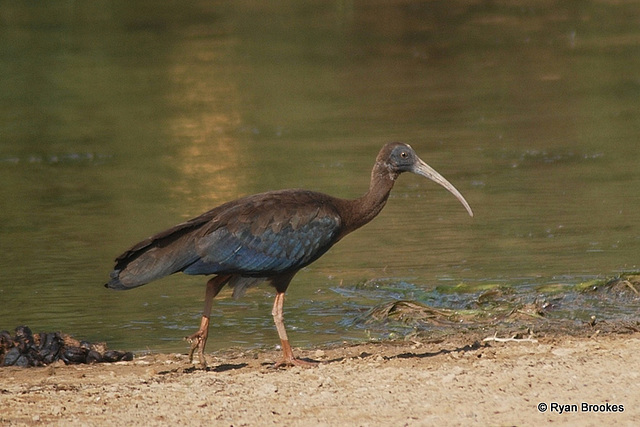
pixel 421 168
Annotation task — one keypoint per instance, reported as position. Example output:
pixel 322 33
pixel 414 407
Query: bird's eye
pixel 404 155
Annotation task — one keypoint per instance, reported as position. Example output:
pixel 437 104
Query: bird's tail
pixel 122 284
pixel 150 265
pixel 115 283
pixel 152 259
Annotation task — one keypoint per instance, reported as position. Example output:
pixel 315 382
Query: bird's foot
pixel 197 340
pixel 288 359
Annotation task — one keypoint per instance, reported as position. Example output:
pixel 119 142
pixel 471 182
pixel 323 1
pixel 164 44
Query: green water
pixel 119 119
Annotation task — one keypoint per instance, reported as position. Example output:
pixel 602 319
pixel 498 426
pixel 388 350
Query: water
pixel 120 119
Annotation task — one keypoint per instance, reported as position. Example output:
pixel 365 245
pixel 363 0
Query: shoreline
pixel 449 381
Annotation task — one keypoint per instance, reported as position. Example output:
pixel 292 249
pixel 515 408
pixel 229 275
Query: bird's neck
pixel 363 209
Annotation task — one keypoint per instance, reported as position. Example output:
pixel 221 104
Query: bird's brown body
pixel 267 236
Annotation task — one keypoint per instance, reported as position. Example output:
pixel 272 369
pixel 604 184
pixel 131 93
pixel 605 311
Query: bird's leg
pixel 278 318
pixel 199 339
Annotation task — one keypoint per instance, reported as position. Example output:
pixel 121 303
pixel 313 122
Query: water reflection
pixel 209 156
pixel 120 119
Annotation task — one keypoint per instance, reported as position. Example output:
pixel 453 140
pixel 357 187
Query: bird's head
pixel 399 157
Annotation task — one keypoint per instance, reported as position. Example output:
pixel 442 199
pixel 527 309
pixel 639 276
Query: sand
pixel 452 381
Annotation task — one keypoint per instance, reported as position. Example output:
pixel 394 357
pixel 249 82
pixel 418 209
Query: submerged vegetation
pixel 496 307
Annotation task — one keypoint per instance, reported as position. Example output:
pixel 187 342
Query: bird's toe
pixel 285 362
pixel 198 341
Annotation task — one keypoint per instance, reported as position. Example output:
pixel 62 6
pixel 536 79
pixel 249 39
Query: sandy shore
pixel 459 380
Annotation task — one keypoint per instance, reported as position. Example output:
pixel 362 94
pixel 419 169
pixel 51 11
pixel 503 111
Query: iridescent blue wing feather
pixel 239 250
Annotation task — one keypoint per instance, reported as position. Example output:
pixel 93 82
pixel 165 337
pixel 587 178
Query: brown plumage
pixel 268 236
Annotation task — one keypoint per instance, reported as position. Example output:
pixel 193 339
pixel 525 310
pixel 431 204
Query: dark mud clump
pixel 25 349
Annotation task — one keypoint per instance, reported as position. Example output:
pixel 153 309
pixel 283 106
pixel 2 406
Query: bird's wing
pixel 266 235
pixel 261 235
